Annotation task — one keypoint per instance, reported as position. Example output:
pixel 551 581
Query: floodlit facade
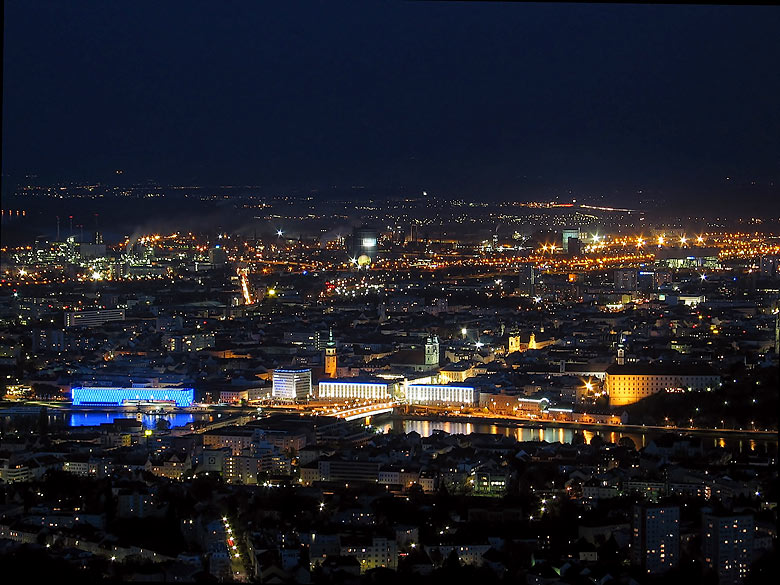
pixel 291 384
pixel 629 383
pixel 331 359
pixel 356 389
pixel 441 394
pixel 456 373
pixel 118 396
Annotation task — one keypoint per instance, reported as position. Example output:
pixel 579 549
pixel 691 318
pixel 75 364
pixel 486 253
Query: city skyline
pixel 378 292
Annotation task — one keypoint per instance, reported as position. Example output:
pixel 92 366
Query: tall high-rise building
pixel 570 234
pixel 727 545
pixel 769 266
pixel 292 384
pixel 363 245
pixel 218 256
pixel 527 279
pixel 655 538
pixel 626 279
pixel 330 356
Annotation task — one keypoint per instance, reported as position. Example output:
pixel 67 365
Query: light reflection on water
pixel 149 421
pixel 554 434
pixel 550 434
pixel 425 428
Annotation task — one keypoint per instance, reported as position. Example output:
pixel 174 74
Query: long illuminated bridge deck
pixel 358 412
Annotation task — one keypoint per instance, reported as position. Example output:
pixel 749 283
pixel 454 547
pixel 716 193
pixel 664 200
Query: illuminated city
pixel 246 345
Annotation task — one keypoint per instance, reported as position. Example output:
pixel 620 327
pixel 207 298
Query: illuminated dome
pixel 364 260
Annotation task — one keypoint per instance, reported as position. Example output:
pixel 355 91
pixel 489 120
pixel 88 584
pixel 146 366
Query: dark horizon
pixel 509 101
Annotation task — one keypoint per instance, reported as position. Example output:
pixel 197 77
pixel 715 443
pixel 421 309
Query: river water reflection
pixel 554 434
pixel 90 418
pixel 425 428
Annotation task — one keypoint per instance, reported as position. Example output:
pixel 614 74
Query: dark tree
pixel 43 425
pixel 452 561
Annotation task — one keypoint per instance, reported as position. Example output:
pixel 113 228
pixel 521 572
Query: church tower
pixel 532 341
pixel 514 341
pixel 621 352
pixel 432 351
pixel 330 356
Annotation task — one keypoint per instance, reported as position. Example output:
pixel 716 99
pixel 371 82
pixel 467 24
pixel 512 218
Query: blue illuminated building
pixel 118 396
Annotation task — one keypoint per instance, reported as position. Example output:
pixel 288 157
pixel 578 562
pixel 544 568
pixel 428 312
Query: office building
pixel 291 384
pixel 653 279
pixel 441 394
pixel 570 236
pixel 348 471
pixel 527 279
pixel 352 389
pixel 93 318
pixel 218 256
pixel 363 246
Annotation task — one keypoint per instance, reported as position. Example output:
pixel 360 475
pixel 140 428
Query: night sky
pixel 496 100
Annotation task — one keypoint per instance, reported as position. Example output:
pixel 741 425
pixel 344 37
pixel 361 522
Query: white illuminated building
pixel 441 394
pixel 291 384
pixel 356 389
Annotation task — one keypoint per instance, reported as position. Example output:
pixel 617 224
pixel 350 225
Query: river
pixel 552 434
